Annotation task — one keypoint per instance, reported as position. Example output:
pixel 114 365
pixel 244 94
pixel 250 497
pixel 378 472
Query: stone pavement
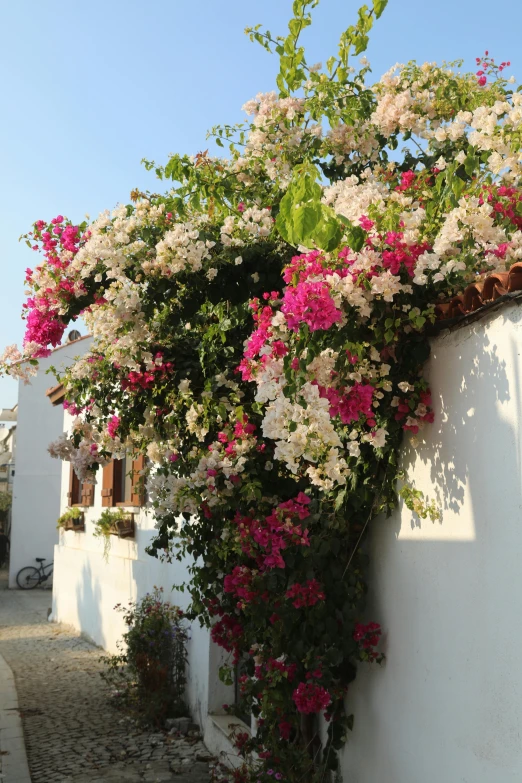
pixel 72 734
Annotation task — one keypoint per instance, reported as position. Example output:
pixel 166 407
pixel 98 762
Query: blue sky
pixel 89 89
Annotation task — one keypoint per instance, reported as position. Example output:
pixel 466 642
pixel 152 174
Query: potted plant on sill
pixel 72 519
pixel 116 523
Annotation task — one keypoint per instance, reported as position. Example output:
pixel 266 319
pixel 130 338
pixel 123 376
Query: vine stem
pixel 366 523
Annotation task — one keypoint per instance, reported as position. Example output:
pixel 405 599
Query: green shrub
pixel 71 513
pixel 148 674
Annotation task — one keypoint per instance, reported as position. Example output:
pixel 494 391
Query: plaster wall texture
pixel 37 479
pixel 87 587
pixel 446 705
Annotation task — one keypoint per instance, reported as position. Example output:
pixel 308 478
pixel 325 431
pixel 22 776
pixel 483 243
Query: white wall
pixel 86 588
pixel 446 707
pixel 37 480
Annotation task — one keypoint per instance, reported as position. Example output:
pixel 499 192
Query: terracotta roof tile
pixel 481 293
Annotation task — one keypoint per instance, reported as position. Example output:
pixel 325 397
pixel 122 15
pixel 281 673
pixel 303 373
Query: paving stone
pixel 72 732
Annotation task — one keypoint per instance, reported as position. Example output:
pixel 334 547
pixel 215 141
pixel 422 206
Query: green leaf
pixel 304 221
pixel 327 234
pixel 339 500
pixel 356 237
pixel 470 164
pixel 361 44
pixel 379 6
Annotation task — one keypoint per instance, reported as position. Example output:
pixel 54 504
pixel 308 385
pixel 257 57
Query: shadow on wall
pixel 446 704
pixel 469 382
pixel 89 606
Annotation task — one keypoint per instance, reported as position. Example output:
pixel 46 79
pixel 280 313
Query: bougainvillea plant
pixel 259 332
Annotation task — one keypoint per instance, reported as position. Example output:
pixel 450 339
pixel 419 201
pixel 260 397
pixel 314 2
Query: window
pixel 123 482
pixel 81 493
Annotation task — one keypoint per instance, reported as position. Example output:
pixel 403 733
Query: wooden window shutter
pixel 138 489
pixel 87 494
pixel 108 485
pixel 71 486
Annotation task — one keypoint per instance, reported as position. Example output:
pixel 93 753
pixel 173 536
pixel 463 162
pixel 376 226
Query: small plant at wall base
pixel 148 675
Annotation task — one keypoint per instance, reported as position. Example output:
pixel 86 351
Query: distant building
pixel 7 456
pixel 37 477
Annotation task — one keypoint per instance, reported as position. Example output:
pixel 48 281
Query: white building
pixel 7 447
pixel 87 586
pixel 446 705
pixel 7 458
pixel 37 477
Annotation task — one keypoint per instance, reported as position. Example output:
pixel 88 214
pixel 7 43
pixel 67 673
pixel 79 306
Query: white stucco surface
pixel 87 587
pixel 445 708
pixel 37 479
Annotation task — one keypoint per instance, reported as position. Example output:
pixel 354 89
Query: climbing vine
pixel 260 332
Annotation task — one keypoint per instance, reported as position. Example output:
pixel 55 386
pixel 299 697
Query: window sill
pixel 228 724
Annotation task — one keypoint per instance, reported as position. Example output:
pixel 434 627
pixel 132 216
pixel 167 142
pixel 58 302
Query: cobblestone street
pixel 72 734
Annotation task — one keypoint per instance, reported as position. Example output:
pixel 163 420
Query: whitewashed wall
pixel 37 479
pixel 446 707
pixel 87 587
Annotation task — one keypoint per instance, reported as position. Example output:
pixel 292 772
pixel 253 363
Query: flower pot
pixel 77 525
pixel 124 528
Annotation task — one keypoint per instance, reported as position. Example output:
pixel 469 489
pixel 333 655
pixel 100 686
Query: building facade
pixel 90 581
pixel 36 484
pixel 446 704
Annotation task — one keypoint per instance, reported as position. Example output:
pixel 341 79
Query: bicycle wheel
pixel 28 578
pixel 47 580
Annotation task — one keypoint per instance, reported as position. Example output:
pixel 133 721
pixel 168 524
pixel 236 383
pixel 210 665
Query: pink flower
pixel 366 223
pixel 310 303
pixel 310 697
pixel 112 426
pixel 350 403
pixel 307 594
pixel 368 637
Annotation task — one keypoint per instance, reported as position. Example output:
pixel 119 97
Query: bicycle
pixel 30 577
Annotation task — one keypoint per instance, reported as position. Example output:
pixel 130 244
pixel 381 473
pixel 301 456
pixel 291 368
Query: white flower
pixel 238 261
pixel 377 438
